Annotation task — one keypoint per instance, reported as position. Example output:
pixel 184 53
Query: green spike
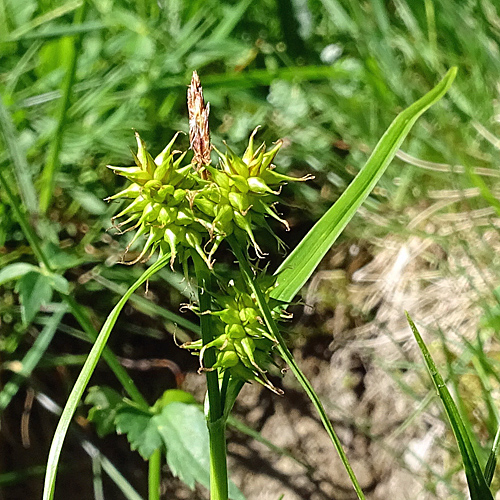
pixel 166 151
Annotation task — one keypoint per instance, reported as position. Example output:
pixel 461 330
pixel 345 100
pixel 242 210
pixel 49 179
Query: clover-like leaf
pixel 184 431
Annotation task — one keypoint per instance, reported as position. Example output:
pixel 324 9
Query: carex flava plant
pixel 181 207
pixel 185 210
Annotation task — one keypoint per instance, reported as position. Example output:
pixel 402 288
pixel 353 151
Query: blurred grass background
pixel 327 76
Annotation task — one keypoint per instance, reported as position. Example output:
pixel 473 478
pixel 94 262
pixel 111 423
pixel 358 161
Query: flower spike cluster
pixel 244 344
pixel 174 208
pixel 161 207
pixel 177 206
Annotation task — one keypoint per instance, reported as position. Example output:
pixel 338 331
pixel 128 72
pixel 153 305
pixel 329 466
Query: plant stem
pixel 154 476
pixel 216 422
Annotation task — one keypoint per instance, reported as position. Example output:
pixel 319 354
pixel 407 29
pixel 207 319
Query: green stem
pixel 154 476
pixel 215 419
pixel 47 181
pixel 288 357
pixel 75 308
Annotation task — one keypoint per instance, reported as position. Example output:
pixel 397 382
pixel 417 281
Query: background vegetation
pixel 327 76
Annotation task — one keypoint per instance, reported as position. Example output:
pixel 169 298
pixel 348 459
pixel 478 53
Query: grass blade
pixel 148 307
pixel 245 429
pixel 477 484
pixel 93 452
pixel 84 377
pixel 32 358
pixel 20 166
pixel 45 18
pixel 52 163
pixel 301 263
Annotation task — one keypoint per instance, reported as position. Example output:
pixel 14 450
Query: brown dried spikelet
pixel 199 133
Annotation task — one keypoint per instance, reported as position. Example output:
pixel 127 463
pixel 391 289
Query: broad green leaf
pixel 110 412
pixel 301 263
pixel 16 271
pixel 34 290
pixel 475 479
pixel 105 404
pixel 140 428
pixel 184 431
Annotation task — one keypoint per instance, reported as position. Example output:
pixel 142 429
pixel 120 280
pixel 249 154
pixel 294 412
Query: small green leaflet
pixel 35 290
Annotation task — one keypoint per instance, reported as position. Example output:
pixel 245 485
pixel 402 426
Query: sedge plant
pixel 188 212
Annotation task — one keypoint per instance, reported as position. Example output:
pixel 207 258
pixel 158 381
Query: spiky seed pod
pixel 244 345
pixel 161 208
pixel 174 207
pixel 246 190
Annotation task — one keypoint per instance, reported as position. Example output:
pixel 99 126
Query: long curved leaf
pixel 301 263
pixel 84 377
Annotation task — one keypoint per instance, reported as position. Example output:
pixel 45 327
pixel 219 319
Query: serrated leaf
pixel 184 432
pixel 106 402
pixel 140 428
pixel 34 290
pixel 16 271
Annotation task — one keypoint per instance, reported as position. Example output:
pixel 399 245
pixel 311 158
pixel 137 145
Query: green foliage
pixel 326 75
pixel 296 269
pixel 174 423
pixel 34 291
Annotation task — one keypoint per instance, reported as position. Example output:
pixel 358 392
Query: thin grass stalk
pixel 154 475
pixel 477 484
pixel 489 470
pixel 51 165
pixel 32 358
pixel 288 357
pixel 215 417
pixel 76 310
